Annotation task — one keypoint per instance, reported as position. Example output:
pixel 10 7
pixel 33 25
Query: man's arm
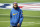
pixel 21 17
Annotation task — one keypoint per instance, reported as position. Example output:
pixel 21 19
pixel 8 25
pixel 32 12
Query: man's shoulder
pixel 20 9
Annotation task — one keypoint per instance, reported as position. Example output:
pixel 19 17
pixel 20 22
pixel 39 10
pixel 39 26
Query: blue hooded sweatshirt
pixel 16 16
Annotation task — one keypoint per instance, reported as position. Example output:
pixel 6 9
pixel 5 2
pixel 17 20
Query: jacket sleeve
pixel 21 17
pixel 10 14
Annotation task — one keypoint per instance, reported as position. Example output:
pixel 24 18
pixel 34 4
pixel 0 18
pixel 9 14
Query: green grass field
pixel 31 18
pixel 19 1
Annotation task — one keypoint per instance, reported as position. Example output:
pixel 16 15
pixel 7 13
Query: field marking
pixel 23 22
pixel 23 15
pixel 4 14
pixel 28 23
pixel 31 16
pixel 4 21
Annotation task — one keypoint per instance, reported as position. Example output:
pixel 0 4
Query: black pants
pixel 14 26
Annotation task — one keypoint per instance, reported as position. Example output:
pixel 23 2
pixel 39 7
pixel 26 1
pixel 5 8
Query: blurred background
pixel 31 12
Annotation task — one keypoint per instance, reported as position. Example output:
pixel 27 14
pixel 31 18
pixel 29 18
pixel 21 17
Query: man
pixel 16 16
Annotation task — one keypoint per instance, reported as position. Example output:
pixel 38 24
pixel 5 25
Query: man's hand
pixel 18 25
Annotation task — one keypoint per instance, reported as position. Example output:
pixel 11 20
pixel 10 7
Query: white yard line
pixel 23 22
pixel 29 23
pixel 23 15
pixel 4 14
pixel 4 21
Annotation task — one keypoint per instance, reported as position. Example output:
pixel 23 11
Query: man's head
pixel 15 5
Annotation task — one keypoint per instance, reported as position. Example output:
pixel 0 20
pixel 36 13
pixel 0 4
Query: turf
pixel 31 18
pixel 19 1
